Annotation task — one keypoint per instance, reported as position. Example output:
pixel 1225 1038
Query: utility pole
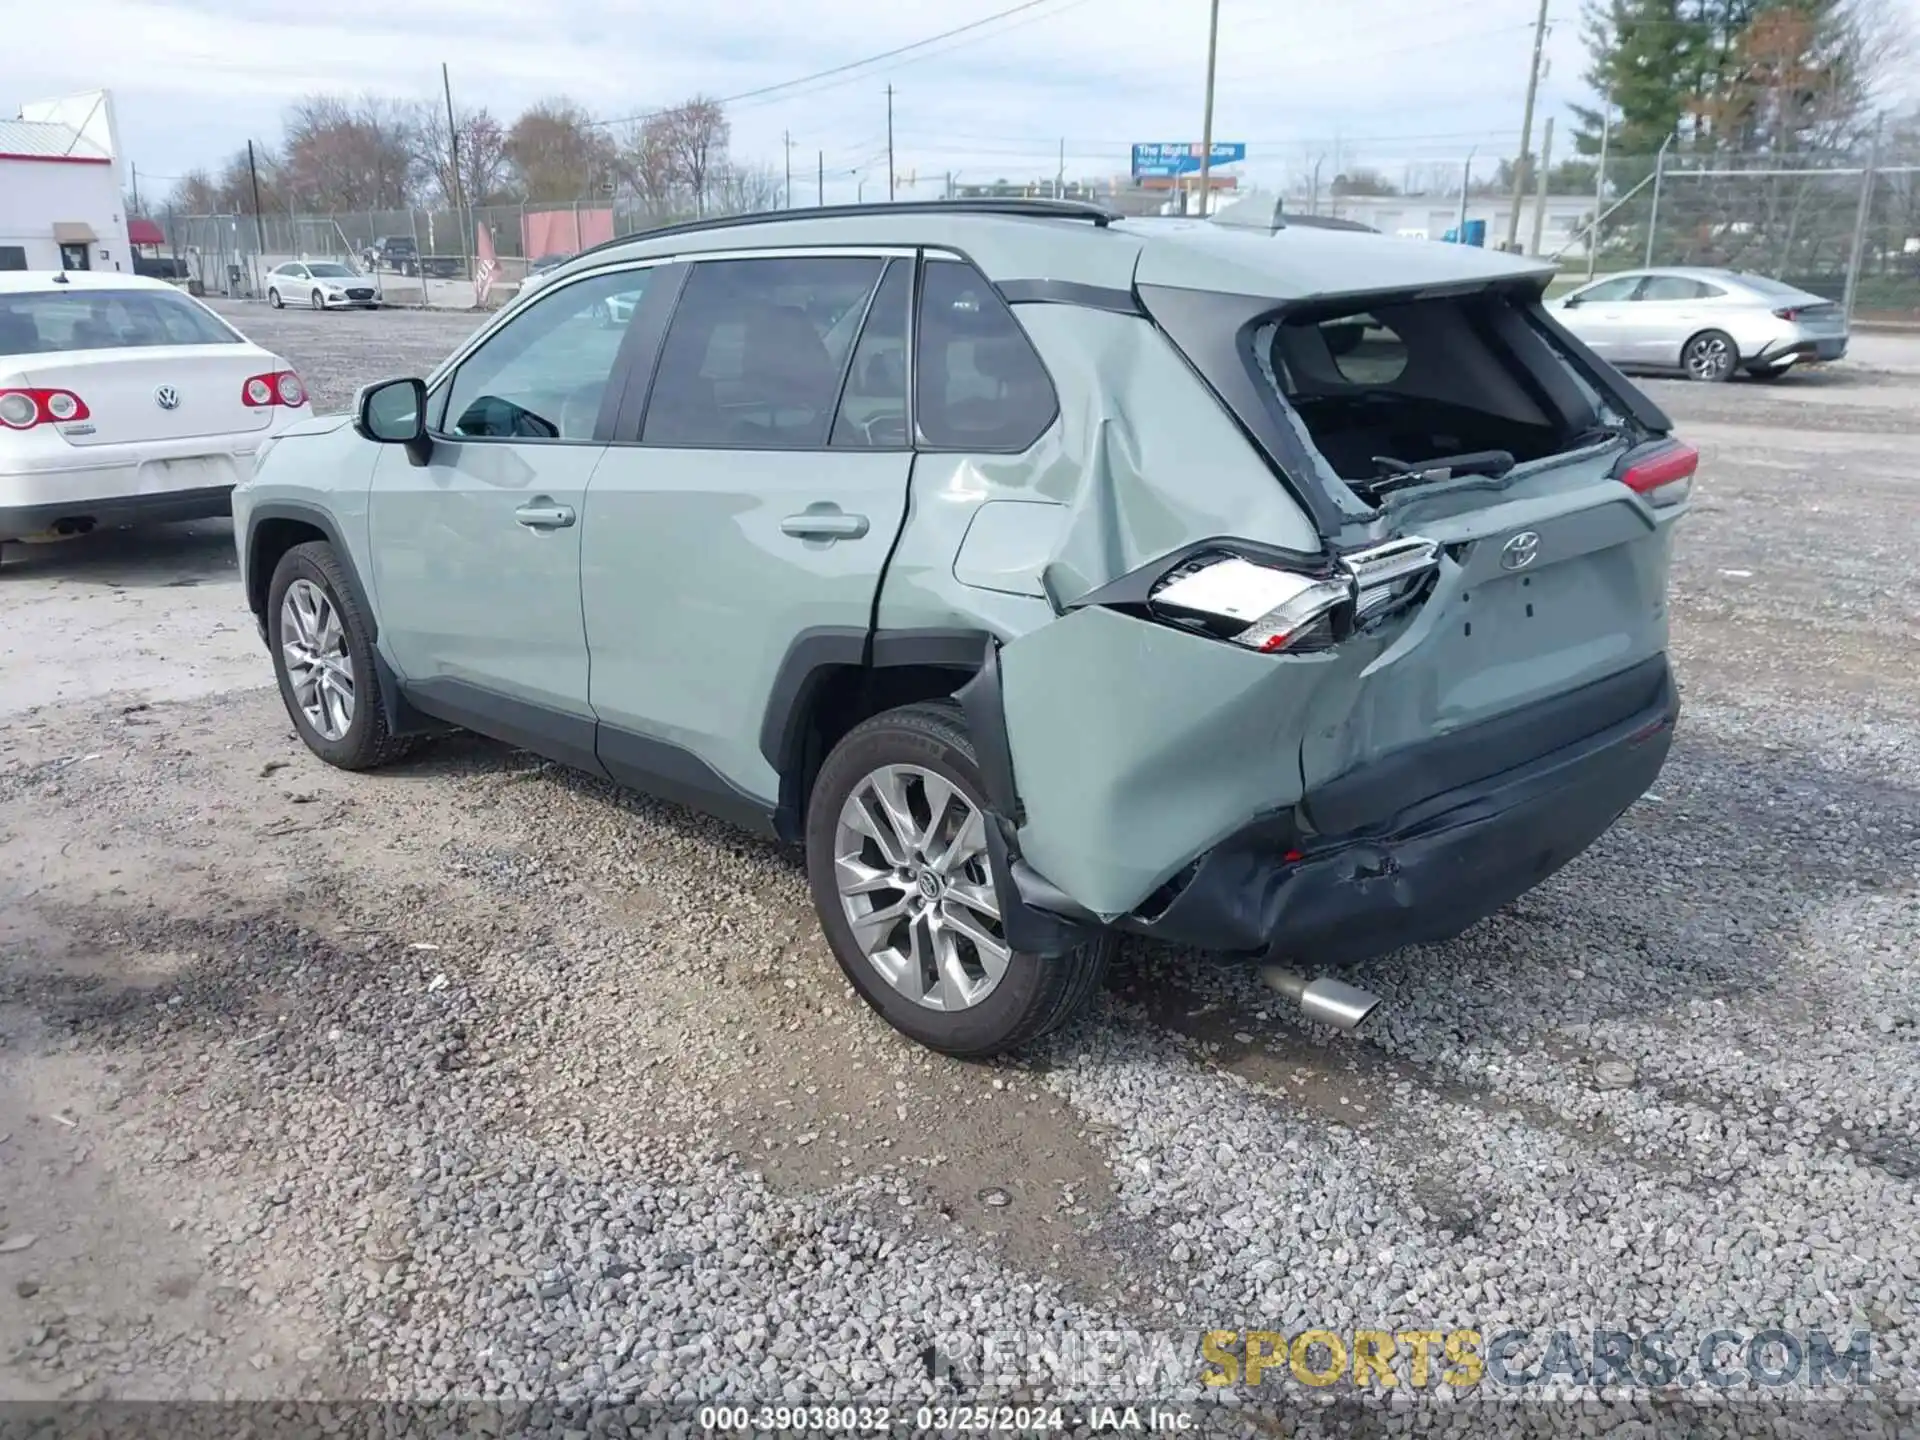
pixel 1466 189
pixel 787 137
pixel 889 144
pixel 1206 121
pixel 1540 197
pixel 259 229
pixel 1861 219
pixel 1060 175
pixel 1526 127
pixel 135 169
pixel 1653 216
pixel 459 189
pixel 1600 183
pixel 820 180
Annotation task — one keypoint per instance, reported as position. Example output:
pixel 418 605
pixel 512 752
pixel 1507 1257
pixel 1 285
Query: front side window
pixel 542 374
pixel 43 323
pixel 1621 287
pixel 756 352
pixel 978 384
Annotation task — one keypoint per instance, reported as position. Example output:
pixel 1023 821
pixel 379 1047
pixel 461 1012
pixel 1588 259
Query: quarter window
pixel 756 352
pixel 542 375
pixel 978 384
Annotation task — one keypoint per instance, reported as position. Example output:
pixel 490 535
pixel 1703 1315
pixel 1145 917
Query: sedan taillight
pixel 276 387
pixel 1789 313
pixel 22 409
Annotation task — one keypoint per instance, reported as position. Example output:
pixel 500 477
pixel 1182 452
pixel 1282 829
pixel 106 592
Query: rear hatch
pixel 175 392
pixel 1462 457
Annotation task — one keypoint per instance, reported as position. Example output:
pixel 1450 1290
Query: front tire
pixel 1710 357
pixel 273 299
pixel 323 659
pixel 897 861
pixel 319 301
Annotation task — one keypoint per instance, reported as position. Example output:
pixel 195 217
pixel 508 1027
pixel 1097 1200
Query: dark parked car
pixel 401 254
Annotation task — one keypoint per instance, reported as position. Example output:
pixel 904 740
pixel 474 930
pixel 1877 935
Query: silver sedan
pixel 1705 324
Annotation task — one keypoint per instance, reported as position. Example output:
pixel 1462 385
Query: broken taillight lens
pixel 1663 476
pixel 1262 607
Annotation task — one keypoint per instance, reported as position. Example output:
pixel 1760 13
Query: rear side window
pixel 978 384
pixel 45 323
pixel 873 407
pixel 756 352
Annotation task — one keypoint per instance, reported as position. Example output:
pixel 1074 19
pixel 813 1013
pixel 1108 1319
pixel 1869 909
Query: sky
pixel 1391 84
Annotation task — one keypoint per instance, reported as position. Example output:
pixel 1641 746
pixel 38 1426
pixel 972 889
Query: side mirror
pixel 1569 301
pixel 394 412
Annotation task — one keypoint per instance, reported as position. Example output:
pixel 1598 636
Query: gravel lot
pixel 474 1078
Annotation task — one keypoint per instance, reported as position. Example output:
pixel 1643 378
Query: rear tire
pixel 917 753
pixel 367 739
pixel 1710 357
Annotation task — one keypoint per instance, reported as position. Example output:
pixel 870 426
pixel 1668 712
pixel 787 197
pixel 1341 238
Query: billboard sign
pixel 1182 159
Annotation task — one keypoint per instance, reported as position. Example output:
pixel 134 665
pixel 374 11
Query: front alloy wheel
pixel 319 667
pixel 323 657
pixel 910 859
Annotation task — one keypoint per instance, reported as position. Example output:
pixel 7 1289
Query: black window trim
pixel 440 385
pixel 912 265
pixel 689 263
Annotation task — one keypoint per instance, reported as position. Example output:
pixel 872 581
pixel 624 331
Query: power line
pixel 850 65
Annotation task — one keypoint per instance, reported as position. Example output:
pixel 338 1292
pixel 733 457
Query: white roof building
pixel 60 187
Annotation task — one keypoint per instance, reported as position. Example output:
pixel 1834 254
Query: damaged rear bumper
pixel 1412 849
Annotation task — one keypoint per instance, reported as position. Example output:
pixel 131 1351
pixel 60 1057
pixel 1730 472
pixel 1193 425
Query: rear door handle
pixel 545 515
pixel 824 525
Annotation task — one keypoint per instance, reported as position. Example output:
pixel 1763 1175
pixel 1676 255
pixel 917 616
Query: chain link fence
pixel 1844 228
pixel 1847 230
pixel 420 257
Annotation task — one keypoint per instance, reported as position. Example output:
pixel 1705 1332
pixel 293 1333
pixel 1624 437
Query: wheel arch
pixel 832 678
pixel 275 528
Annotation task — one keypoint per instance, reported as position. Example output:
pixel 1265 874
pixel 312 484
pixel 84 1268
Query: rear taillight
pixel 1788 314
pixel 1663 476
pixel 22 409
pixel 1262 607
pixel 276 387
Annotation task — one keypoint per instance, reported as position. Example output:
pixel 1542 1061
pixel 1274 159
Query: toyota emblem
pixel 167 398
pixel 1520 551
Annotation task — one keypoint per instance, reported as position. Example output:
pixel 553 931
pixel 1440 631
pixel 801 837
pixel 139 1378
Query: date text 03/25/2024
pixel 942 1419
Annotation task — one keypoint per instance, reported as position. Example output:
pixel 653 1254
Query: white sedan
pixel 123 400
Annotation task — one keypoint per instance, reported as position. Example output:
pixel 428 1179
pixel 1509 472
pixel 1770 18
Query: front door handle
pixel 543 514
pixel 824 524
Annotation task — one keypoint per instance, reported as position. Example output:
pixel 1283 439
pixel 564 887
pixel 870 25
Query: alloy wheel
pixel 1709 358
pixel 313 642
pixel 910 864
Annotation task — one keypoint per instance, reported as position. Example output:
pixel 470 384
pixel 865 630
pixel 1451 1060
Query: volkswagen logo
pixel 167 398
pixel 1519 552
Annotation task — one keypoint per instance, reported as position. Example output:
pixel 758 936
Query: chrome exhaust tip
pixel 1331 1002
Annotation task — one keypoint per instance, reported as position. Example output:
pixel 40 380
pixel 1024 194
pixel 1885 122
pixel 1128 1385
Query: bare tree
pixel 745 190
pixel 346 154
pixel 694 136
pixel 558 152
pixel 485 173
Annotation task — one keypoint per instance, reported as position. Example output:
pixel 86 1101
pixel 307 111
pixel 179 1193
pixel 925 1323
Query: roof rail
pixel 1015 207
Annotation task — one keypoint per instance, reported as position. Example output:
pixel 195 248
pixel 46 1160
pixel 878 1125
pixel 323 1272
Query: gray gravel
pixel 475 1079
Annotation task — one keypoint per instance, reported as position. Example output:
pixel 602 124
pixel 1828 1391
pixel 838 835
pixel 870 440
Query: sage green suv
pixel 1046 575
